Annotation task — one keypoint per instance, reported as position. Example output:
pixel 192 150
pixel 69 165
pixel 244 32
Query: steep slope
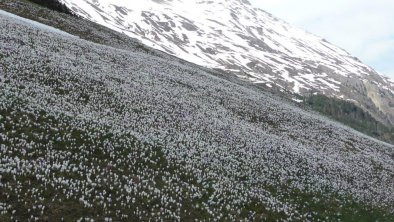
pixel 96 132
pixel 234 36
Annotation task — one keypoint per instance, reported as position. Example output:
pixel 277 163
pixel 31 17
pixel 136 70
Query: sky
pixel 364 28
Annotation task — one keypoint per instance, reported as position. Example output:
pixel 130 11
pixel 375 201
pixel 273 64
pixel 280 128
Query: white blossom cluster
pixel 100 133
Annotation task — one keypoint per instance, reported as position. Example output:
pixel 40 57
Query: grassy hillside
pixel 110 130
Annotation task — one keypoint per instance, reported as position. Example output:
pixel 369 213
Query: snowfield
pixel 92 132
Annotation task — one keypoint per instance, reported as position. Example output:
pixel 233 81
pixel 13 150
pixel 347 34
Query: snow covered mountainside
pixel 234 36
pixel 112 131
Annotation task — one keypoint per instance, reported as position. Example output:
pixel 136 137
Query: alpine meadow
pixel 105 116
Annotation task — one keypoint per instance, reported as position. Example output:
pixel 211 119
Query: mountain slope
pixel 97 132
pixel 234 36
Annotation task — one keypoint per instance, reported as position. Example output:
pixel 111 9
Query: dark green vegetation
pixel 351 115
pixel 54 5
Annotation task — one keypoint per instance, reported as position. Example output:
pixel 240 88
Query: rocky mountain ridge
pixel 234 36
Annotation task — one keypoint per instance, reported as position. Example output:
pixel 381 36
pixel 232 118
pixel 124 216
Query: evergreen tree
pixel 351 115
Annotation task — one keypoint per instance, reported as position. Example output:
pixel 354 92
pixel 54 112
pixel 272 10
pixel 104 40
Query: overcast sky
pixel 364 28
